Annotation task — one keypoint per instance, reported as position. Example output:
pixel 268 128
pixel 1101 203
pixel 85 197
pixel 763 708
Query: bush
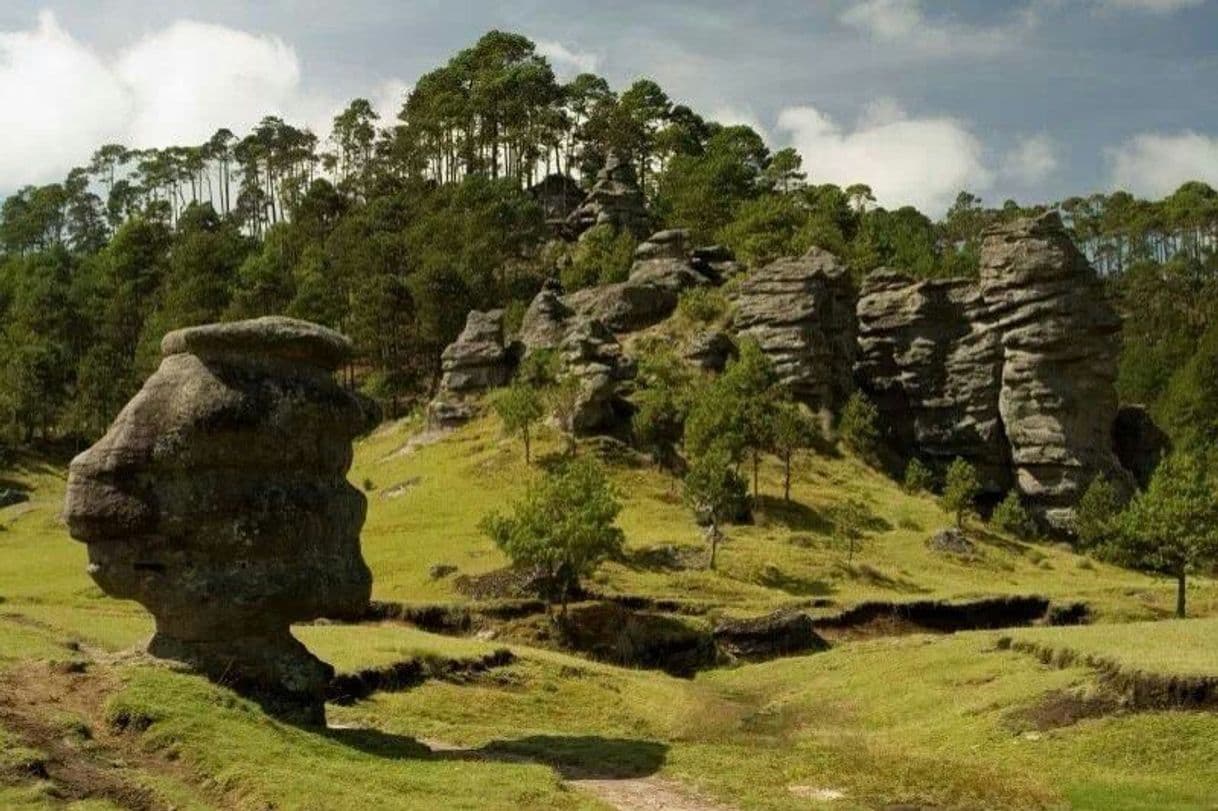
pixel 1011 517
pixel 513 317
pixel 702 305
pixel 858 426
pixel 602 256
pixel 918 477
pixel 540 368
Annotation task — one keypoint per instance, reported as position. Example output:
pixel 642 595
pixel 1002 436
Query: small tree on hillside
pixel 960 489
pixel 1095 516
pixel 519 406
pixel 792 429
pixel 858 426
pixel 849 520
pixel 715 492
pixel 918 477
pixel 661 403
pixel 750 385
pixel 1172 527
pixel 1011 517
pixel 564 526
pixel 563 399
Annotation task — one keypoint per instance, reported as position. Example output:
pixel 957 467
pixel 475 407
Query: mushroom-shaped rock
pixel 218 500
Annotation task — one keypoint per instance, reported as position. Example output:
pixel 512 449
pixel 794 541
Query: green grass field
pixel 928 720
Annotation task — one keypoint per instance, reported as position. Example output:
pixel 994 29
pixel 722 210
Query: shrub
pixel 513 317
pixel 603 256
pixel 715 492
pixel 519 406
pixel 702 305
pixel 1011 517
pixel 540 368
pixel 858 427
pixel 918 477
pixel 565 526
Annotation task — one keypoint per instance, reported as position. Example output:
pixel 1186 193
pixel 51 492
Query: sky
pixel 1034 100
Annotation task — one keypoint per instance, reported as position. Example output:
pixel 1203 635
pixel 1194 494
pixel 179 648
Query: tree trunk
pixel 528 453
pixel 786 477
pixel 1180 583
pixel 756 461
pixel 714 539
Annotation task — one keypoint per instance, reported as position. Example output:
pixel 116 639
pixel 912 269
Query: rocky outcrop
pixel 1013 372
pixel 218 500
pixel 661 271
pixel 558 195
pixel 801 313
pixel 476 362
pixel 1060 342
pixel 933 368
pixel 614 199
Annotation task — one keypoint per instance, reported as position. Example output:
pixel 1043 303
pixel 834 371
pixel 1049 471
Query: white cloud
pixel 388 100
pixel 191 78
pixel 905 23
pixel 1152 6
pixel 916 161
pixel 1156 164
pixel 568 60
pixel 1032 161
pixel 58 101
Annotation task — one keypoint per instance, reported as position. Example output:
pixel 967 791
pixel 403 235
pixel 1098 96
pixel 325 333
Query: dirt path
pixel 57 712
pixel 646 794
pixel 624 794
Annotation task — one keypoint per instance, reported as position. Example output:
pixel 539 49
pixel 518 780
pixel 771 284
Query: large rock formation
pixel 473 364
pixel 1013 372
pixel 932 366
pixel 614 199
pixel 587 350
pixel 218 500
pixel 801 313
pixel 661 271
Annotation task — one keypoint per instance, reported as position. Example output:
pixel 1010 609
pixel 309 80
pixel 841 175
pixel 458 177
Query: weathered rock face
pixel 473 364
pixel 558 195
pixel 592 355
pixel 1013 372
pixel 1060 341
pixel 614 199
pixel 661 271
pixel 218 500
pixel 546 319
pixel 477 360
pixel 710 350
pixel 934 370
pixel 801 313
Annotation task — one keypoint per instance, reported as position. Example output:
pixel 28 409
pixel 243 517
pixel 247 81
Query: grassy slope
pixel 916 719
pixel 788 555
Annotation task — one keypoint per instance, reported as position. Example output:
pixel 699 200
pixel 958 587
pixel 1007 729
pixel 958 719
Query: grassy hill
pixel 973 719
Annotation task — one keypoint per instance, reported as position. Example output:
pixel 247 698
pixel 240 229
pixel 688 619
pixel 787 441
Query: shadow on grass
pixel 865 573
pixel 775 578
pixel 793 515
pixel 984 536
pixel 575 756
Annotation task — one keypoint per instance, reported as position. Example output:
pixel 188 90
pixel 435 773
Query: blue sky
pixel 1032 99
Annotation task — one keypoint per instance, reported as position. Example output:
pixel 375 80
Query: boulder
pixel 478 359
pixel 218 500
pixel 546 319
pixel 668 244
pixel 951 541
pixel 710 350
pixel 801 313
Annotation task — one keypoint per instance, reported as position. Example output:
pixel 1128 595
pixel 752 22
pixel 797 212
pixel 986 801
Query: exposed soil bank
pixel 1136 689
pixel 347 688
pixel 872 619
